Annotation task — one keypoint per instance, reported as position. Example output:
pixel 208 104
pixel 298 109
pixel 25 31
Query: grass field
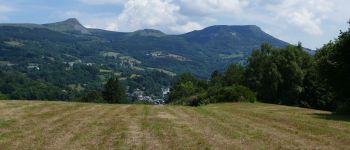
pixel 59 125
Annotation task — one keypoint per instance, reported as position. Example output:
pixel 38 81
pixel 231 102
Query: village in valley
pixel 139 96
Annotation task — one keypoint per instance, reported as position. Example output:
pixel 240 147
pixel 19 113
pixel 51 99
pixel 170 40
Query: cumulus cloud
pixel 158 14
pixel 307 15
pixel 213 7
pixel 189 26
pixel 292 19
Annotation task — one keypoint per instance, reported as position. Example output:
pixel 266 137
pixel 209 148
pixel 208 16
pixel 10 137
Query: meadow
pixel 67 125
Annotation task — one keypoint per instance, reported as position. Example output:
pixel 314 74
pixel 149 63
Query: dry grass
pixel 59 125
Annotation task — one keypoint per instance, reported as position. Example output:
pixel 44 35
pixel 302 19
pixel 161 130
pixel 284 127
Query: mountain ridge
pixel 71 22
pixel 208 49
pixel 70 57
pixel 74 25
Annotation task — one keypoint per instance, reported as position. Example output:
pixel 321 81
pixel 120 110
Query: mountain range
pixel 129 55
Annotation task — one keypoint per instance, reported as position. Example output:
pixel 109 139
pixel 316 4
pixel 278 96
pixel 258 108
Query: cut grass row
pixel 60 125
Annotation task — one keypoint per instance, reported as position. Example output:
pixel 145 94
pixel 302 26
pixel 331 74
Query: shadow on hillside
pixel 336 117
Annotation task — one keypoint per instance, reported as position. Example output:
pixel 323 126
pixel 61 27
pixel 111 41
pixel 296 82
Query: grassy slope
pixel 58 125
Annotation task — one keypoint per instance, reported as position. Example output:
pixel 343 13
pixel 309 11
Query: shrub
pixel 3 96
pixel 195 100
pixel 92 96
pixel 235 93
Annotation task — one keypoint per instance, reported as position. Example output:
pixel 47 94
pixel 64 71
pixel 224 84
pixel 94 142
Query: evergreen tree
pixel 114 92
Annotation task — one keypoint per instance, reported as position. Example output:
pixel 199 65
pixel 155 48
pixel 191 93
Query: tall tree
pixel 277 74
pixel 186 85
pixel 113 91
pixel 233 74
pixel 333 61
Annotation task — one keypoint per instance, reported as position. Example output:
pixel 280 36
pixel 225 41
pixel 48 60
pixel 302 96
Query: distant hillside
pixel 58 49
pixel 70 25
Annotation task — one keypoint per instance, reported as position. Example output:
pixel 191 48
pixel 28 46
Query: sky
pixel 311 22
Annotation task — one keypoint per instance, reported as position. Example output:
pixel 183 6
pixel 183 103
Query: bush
pixel 3 96
pixel 235 93
pixel 92 96
pixel 198 100
pixel 195 100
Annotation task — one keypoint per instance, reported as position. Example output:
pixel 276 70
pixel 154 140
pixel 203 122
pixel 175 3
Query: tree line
pixel 288 76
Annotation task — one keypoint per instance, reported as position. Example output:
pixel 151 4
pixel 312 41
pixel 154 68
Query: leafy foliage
pixel 190 91
pixel 3 96
pixel 287 76
pixel 17 86
pixel 92 96
pixel 235 93
pixel 333 64
pixel 114 92
pixel 185 86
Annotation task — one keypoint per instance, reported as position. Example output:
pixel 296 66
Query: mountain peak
pixel 69 25
pixel 228 33
pixel 72 21
pixel 148 32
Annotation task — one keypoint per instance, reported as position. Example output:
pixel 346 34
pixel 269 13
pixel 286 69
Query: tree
pixel 233 74
pixel 185 86
pixel 333 64
pixel 114 92
pixel 235 93
pixel 316 93
pixel 277 74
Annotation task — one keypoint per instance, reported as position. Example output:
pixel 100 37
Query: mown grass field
pixel 60 125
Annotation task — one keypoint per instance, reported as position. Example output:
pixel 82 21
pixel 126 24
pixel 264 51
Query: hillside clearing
pixel 60 125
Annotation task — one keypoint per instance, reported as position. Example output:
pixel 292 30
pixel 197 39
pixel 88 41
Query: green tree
pixel 316 93
pixel 114 92
pixel 333 64
pixel 233 74
pixel 277 74
pixel 184 86
pixel 3 96
pixel 235 93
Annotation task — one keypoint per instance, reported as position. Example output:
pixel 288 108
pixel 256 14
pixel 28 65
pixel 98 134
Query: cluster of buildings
pixel 139 96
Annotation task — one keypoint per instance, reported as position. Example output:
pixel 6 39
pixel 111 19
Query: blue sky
pixel 312 22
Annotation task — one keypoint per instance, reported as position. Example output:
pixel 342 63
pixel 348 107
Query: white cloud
pixel 293 20
pixel 159 14
pixel 189 26
pixel 213 7
pixel 307 15
pixel 306 20
pixel 102 2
